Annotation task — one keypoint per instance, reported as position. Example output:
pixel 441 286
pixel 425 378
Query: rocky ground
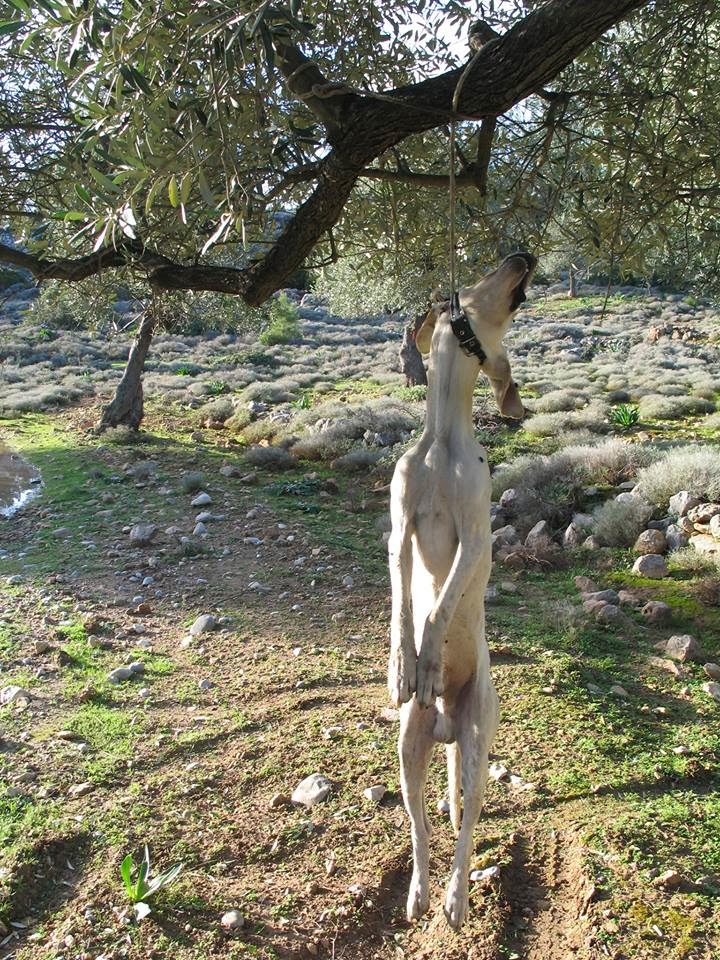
pixel 188 633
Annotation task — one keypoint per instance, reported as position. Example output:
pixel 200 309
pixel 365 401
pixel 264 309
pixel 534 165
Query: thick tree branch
pixel 305 80
pixel 362 128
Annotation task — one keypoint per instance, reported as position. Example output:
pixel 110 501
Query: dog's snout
pixel 529 260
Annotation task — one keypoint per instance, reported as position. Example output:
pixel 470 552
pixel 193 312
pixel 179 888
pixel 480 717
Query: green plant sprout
pixel 624 416
pixel 143 887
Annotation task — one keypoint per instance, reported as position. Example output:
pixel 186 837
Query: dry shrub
pixel 656 406
pixel 271 458
pixel 618 523
pixel 550 487
pixel 696 469
pixel 593 417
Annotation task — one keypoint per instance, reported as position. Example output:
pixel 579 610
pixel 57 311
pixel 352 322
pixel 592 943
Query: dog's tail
pixel 454 762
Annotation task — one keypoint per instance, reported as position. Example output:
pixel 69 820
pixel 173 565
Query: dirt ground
pixel 197 755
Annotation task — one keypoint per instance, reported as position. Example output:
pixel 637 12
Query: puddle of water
pixel 19 482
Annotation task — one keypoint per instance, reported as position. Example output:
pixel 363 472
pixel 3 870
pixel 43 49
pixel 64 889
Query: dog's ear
pixel 497 370
pixel 424 335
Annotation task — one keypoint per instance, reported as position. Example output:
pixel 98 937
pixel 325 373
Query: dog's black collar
pixel 469 343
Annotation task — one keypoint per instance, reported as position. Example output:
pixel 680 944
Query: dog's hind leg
pixel 477 720
pixel 454 764
pixel 415 747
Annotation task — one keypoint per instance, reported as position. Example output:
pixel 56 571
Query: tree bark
pixel 126 407
pixel 411 362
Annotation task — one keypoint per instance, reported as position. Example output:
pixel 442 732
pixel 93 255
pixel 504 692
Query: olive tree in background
pixel 209 146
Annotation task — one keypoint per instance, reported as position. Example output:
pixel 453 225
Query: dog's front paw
pixel 429 677
pixel 402 675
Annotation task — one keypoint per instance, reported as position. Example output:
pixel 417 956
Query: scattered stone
pixel 330 867
pixel 606 596
pixel 81 789
pixel 278 800
pixel 508 499
pixel 712 670
pixel 705 543
pixel 15 580
pixel 619 691
pixel 608 613
pixel 651 565
pixel 681 751
pixel 233 920
pixel 592 543
pixel 484 876
pixel 715 527
pixel 61 532
pixel 142 534
pixel 675 537
pixel 713 689
pixel 136 667
pixel 657 612
pixel 205 684
pixel 230 470
pixel 199 530
pixel 505 536
pixel 443 805
pixel 498 772
pixel 595 690
pixel 574 535
pixel 539 539
pixel 119 674
pixel 682 502
pixel 669 880
pixel 650 541
pixel 12 693
pixel 312 790
pixel 41 646
pixel 627 598
pixel 201 500
pixel 586 585
pixel 682 647
pixel 491 593
pixel 348 582
pixel 703 512
pixel 669 665
pixel 204 624
pixel 375 793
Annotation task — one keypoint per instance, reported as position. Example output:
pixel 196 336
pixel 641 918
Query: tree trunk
pixel 126 407
pixel 573 291
pixel 411 362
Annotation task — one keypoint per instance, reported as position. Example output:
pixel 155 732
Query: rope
pixel 453 158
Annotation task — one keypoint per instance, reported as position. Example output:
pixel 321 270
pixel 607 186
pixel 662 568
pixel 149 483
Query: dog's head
pixel 490 306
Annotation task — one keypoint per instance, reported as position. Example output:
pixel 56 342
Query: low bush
pixel 559 400
pixel 593 417
pixel 618 523
pixel 656 406
pixel 696 469
pixel 271 458
pixel 551 487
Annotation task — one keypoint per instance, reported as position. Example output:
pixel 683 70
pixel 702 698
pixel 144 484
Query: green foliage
pixel 283 322
pixel 216 387
pixel 143 886
pixel 624 416
pixel 371 283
